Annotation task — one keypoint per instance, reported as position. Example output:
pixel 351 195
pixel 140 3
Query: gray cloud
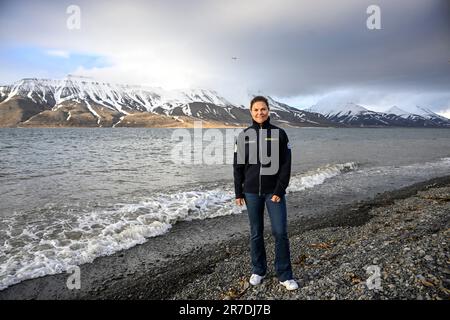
pixel 295 50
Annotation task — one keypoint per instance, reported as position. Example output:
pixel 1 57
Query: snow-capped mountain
pixel 420 117
pixel 282 112
pixel 430 115
pixel 355 115
pixel 398 112
pixel 79 101
pixel 351 114
pixel 118 97
pixel 341 110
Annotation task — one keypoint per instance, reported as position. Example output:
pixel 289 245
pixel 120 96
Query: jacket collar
pixel 265 124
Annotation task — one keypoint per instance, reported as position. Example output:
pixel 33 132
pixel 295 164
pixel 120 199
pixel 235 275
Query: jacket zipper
pixel 260 163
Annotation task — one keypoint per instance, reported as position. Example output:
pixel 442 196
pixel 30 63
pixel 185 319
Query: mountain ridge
pixel 355 115
pixel 82 102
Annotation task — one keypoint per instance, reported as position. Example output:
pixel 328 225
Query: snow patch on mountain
pixel 427 113
pixel 398 112
pixel 349 108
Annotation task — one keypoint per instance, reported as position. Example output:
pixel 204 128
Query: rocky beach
pixel 406 240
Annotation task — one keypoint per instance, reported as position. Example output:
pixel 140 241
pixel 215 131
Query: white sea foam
pixel 318 176
pixel 52 245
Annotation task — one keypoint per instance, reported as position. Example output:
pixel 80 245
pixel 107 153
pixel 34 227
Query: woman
pixel 262 168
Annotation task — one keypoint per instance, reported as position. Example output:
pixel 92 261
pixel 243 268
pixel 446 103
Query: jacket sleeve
pixel 238 172
pixel 284 173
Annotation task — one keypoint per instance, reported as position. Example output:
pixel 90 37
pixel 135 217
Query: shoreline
pixel 173 265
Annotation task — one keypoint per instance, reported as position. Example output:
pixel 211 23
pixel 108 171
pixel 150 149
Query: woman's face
pixel 260 112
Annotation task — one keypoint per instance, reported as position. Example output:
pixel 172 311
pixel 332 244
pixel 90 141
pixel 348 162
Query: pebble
pixel 408 266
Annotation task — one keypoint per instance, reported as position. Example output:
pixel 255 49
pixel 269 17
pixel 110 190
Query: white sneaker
pixel 256 279
pixel 290 284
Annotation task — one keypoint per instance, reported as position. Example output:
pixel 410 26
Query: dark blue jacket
pixel 249 171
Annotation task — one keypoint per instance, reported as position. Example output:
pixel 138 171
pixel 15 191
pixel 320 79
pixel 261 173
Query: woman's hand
pixel 275 198
pixel 240 201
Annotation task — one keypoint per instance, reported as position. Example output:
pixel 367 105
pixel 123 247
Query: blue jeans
pixel 278 218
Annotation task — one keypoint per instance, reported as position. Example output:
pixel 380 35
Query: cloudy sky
pixel 301 52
